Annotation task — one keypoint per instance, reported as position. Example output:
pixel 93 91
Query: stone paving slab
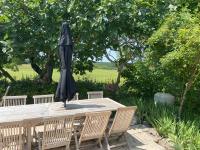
pixel 142 140
pixel 148 138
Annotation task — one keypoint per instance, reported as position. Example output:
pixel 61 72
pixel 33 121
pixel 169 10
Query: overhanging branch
pixel 108 57
pixel 6 74
pixel 35 67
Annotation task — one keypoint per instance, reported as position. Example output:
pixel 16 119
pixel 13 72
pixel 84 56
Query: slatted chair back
pixel 122 119
pixel 57 132
pixel 95 94
pixel 14 100
pixel 11 136
pixel 38 99
pixel 76 97
pixel 94 125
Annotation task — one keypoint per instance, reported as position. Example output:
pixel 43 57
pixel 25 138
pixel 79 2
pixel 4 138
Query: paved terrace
pixel 139 137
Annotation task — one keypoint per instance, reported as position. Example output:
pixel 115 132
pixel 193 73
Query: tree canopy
pixel 163 35
pixel 97 26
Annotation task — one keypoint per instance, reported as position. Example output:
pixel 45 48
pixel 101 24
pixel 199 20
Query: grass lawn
pixel 103 72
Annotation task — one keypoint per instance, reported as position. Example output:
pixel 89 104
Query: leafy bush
pixel 3 86
pixel 83 86
pixel 139 80
pixel 193 102
pixel 142 80
pixel 32 87
pixel 184 134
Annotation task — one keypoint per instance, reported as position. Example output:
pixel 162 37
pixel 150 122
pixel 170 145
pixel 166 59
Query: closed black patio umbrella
pixel 66 86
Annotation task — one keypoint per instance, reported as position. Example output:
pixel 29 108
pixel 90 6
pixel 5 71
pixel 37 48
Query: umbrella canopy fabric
pixel 66 87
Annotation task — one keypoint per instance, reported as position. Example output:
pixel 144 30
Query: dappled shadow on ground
pixel 133 143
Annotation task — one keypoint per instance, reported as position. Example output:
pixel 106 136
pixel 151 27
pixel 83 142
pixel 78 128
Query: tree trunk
pixel 45 74
pixel 182 99
pixel 188 86
pixel 6 74
pixel 118 78
pixel 119 72
pixel 36 68
pixel 47 77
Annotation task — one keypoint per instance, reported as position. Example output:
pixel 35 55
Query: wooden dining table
pixel 32 114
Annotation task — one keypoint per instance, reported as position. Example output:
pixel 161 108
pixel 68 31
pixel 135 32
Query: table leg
pixel 29 138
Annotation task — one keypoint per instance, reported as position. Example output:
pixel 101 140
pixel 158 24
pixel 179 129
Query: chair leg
pixel 100 144
pixel 21 147
pixel 40 144
pixel 25 135
pixel 76 140
pixel 67 147
pixel 120 136
pixel 126 141
pixel 107 143
pixel 35 134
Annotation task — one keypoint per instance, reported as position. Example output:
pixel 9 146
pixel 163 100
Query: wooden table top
pixel 42 111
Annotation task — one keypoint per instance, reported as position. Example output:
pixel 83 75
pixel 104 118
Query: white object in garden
pixel 164 98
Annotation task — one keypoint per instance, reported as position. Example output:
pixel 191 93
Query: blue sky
pixel 111 53
pixel 104 59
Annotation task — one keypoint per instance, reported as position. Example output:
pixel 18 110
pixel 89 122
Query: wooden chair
pixel 57 132
pixel 94 127
pixel 11 136
pixel 14 100
pixel 76 97
pixel 95 94
pixel 38 99
pixel 120 125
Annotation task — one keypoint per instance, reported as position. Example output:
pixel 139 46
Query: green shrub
pixel 3 86
pixel 83 86
pixel 184 134
pixel 143 80
pixel 32 87
pixel 139 80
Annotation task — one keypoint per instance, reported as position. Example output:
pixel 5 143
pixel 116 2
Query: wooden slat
pixel 95 94
pixel 122 119
pixel 11 136
pixel 120 124
pixel 57 132
pixel 94 125
pixel 38 99
pixel 14 100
